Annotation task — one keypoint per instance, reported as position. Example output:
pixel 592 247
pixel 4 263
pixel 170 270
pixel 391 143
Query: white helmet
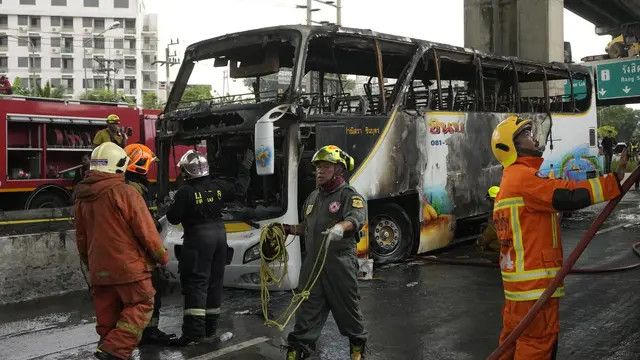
pixel 109 158
pixel 193 165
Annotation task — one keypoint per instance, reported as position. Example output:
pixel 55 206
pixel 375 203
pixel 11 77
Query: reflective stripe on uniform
pixel 508 202
pixel 195 312
pixel 213 311
pixel 530 275
pixel 129 327
pixel 530 295
pixel 554 229
pixel 159 253
pixel 596 190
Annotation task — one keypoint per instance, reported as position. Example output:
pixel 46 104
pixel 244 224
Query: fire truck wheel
pixel 49 200
pixel 390 234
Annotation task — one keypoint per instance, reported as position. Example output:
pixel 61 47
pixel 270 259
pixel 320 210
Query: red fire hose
pixel 566 267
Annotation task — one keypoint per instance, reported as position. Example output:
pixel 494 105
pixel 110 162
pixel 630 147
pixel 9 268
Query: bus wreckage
pixel 417 117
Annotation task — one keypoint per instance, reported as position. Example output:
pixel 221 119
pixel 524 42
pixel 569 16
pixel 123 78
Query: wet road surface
pixel 413 310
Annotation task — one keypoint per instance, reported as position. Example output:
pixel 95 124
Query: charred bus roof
pixel 346 50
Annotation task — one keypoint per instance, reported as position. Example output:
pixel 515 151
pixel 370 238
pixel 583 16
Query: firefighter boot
pixel 211 324
pixel 153 335
pixel 182 341
pixel 103 355
pixel 356 350
pixel 295 354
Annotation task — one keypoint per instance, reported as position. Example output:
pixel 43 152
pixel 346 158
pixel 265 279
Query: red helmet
pixel 140 157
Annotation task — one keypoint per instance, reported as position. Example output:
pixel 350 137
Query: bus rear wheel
pixel 390 234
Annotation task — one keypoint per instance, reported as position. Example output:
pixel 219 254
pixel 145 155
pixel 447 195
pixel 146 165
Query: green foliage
pixel 623 119
pixel 19 88
pixel 150 101
pixel 196 92
pixel 607 130
pixel 45 92
pixel 106 95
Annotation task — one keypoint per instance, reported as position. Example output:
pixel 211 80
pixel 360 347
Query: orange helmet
pixel 141 158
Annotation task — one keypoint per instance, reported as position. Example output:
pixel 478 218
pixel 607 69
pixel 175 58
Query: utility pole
pixel 106 66
pixel 336 4
pixel 168 62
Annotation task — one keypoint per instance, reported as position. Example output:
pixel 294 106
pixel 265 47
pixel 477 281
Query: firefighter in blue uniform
pixel 197 205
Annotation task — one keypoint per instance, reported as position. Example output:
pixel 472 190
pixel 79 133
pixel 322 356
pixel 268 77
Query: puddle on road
pixel 39 323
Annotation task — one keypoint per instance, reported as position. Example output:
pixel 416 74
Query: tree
pixel 106 95
pixel 607 130
pixel 18 88
pixel 621 118
pixel 196 93
pixel 48 92
pixel 150 101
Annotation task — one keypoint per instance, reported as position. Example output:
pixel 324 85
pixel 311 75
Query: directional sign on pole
pixel 618 79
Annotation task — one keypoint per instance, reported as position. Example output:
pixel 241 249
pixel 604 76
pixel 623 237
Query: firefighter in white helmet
pixel 197 206
pixel 118 241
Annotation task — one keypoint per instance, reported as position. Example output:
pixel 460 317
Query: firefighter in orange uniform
pixel 525 215
pixel 118 241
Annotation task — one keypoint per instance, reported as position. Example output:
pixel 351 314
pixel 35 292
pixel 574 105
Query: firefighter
pixel 118 241
pixel 526 219
pixel 336 211
pixel 140 160
pixel 112 133
pixel 5 85
pixel 488 243
pixel 197 206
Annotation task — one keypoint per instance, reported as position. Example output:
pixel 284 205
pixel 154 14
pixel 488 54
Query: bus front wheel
pixel 390 234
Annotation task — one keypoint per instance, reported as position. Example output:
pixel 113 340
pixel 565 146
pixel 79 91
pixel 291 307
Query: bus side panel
pixel 575 148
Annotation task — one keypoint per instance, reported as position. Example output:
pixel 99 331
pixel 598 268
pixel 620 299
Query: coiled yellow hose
pixel 273 269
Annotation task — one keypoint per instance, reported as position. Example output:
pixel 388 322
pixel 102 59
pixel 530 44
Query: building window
pixel 118 43
pixel 87 83
pixel 55 82
pixel 4 62
pixel 91 3
pixel 35 62
pixel 55 21
pixel 98 83
pixel 87 42
pixel 67 63
pixel 34 43
pixel 124 4
pixel 23 62
pixel 27 2
pixel 130 24
pixel 4 21
pixel 23 41
pixel 67 22
pixel 98 43
pixel 58 2
pixel 55 62
pixel 132 83
pixel 87 63
pixel 87 22
pixel 55 42
pixel 68 44
pixel 34 22
pixel 119 83
pixel 23 20
pixel 98 24
pixel 4 41
pixel 67 83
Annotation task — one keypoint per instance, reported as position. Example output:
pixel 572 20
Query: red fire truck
pixel 43 142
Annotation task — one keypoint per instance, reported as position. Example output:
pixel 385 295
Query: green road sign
pixel 579 89
pixel 619 79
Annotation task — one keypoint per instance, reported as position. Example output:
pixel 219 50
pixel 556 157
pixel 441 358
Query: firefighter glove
pixel 334 233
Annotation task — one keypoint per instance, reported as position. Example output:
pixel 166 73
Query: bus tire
pixel 390 234
pixel 49 199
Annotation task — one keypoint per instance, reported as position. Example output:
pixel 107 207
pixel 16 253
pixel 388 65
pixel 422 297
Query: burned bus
pixel 417 117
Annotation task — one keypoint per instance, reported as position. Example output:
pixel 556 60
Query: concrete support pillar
pixel 530 29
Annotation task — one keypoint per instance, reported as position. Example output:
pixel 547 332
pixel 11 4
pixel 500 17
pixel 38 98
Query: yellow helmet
pixel 109 158
pixel 502 145
pixel 113 119
pixel 493 191
pixel 334 155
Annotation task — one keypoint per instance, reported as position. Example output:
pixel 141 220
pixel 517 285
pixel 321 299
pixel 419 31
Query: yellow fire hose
pixel 273 269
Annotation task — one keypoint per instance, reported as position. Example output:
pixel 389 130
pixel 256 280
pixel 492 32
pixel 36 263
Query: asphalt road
pixel 413 310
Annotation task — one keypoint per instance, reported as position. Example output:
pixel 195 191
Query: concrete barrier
pixel 39 265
